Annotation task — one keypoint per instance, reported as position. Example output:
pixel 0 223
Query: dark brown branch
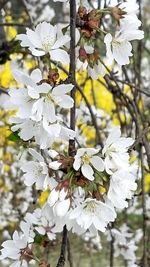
pixel 112 247
pixel 72 71
pixel 3 91
pixel 69 253
pixel 61 261
pixel 144 257
pixel 62 257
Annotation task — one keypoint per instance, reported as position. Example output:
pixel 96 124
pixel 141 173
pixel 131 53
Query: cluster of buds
pixel 59 200
pixel 88 22
pixel 90 58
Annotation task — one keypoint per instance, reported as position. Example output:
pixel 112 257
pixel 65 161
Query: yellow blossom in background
pixel 89 133
pixel 12 224
pixel 6 168
pixel 6 77
pixel 11 32
pixel 43 198
pixel 147 182
pixel 103 98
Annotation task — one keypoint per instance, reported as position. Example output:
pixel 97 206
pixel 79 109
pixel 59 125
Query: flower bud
pixel 82 54
pixel 63 193
pixel 117 13
pixel 93 24
pixel 61 207
pixel 82 11
pixel 53 197
pixel 86 33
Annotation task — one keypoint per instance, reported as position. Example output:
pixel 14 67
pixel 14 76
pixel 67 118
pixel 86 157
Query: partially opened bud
pixel 82 54
pixel 82 11
pixel 61 207
pixel 117 13
pixel 53 197
pixel 63 193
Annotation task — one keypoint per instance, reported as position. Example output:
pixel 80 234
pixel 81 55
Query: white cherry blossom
pixel 88 160
pixel 119 48
pixel 37 172
pixel 38 101
pixel 93 214
pixel 45 134
pixel 45 39
pixel 122 186
pixel 18 246
pixel 115 151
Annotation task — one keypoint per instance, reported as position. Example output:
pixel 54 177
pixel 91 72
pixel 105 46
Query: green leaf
pixel 38 239
pixel 14 137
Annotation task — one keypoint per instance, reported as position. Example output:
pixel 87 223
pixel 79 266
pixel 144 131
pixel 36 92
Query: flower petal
pixel 60 55
pixel 97 163
pixel 87 171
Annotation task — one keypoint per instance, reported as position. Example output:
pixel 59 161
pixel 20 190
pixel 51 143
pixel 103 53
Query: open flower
pixel 119 47
pixel 46 39
pixel 122 186
pixel 87 159
pixel 45 134
pixel 115 151
pixel 18 248
pixel 46 99
pixel 37 172
pixel 39 101
pixel 93 214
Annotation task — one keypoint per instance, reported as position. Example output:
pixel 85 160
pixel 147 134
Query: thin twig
pixel 14 24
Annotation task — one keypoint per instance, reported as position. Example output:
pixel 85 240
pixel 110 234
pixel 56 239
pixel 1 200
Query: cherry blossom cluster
pixel 85 191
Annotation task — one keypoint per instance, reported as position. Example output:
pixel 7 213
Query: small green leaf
pixel 14 137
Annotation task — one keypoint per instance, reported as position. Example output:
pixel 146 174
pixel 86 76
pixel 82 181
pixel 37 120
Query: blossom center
pixel 86 159
pixel 38 171
pixel 91 207
pixel 112 148
pixel 48 42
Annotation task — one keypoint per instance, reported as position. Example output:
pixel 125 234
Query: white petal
pixel 36 75
pixel 62 89
pixel 49 112
pixel 53 197
pixel 60 55
pixel 77 163
pixel 61 41
pixel 36 155
pixel 87 171
pixel 97 163
pixel 34 38
pixel 107 41
pixel 54 165
pixel 64 101
pixel 36 52
pixel 61 207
